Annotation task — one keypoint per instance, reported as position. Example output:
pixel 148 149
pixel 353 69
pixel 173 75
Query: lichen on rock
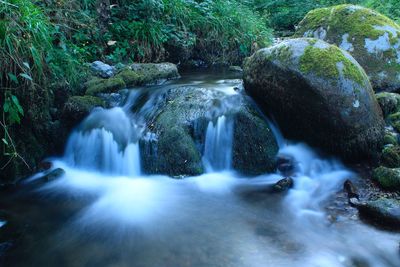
pixel 371 38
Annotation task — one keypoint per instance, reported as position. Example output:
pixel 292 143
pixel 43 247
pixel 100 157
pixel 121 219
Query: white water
pixel 203 218
pixel 218 145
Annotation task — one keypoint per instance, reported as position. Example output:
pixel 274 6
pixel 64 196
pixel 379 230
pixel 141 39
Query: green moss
pixel 98 85
pixel 282 53
pixel 390 139
pixel 387 178
pixel 391 156
pixel 389 102
pixel 396 125
pixel 130 77
pixel 323 62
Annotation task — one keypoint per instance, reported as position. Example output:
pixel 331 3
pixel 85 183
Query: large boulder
pixel 317 93
pixel 176 130
pixel 371 38
pixel 383 212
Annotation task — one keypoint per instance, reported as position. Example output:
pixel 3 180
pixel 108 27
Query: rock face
pixel 176 130
pixel 371 38
pixel 317 93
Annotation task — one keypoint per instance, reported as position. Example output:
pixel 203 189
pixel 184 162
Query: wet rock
pixel 285 164
pixel 370 37
pixel 389 102
pixel 387 178
pixel 45 165
pixel 78 107
pixel 317 93
pixel 151 73
pixel 383 212
pixel 102 69
pixel 351 190
pixel 283 185
pixel 97 85
pixel 391 156
pixel 177 127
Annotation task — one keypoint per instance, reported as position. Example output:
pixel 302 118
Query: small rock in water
pixel 283 185
pixel 102 69
pixel 351 190
pixel 285 165
pixel 45 165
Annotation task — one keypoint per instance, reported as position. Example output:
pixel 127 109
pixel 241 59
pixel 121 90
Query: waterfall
pixel 218 145
pixel 106 142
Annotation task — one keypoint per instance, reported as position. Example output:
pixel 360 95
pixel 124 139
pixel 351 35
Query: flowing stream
pixel 104 212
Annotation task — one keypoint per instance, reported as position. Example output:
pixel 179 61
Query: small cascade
pixel 218 145
pixel 106 142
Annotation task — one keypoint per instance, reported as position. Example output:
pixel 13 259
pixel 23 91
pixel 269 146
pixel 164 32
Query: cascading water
pixel 124 218
pixel 218 145
pixel 107 141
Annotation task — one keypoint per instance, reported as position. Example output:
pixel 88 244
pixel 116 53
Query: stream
pixel 105 212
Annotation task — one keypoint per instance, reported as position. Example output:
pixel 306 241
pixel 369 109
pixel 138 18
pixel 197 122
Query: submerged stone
pixel 370 37
pixel 317 93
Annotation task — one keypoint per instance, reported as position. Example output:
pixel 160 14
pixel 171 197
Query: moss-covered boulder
pixel 98 85
pixel 176 130
pixel 387 178
pixel 129 77
pixel 391 156
pixel 371 38
pixel 389 102
pixel 151 73
pixel 317 93
pixel 78 107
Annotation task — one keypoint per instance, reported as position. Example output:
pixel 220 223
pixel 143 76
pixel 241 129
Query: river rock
pixel 387 178
pixel 151 73
pixel 370 37
pixel 391 156
pixel 389 102
pixel 177 127
pixel 102 69
pixel 317 93
pixel 383 211
pixel 78 107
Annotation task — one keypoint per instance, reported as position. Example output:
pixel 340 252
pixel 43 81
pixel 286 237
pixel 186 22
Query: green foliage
pixel 390 8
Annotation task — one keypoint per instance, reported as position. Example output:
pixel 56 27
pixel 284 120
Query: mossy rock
pixel 387 178
pixel 179 123
pixel 391 156
pixel 370 37
pixel 151 73
pixel 78 107
pixel 390 139
pixel 389 102
pixel 130 77
pixel 97 85
pixel 319 94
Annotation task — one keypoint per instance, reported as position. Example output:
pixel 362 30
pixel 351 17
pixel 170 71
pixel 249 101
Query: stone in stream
pixel 283 185
pixel 319 94
pixel 370 37
pixel 383 212
pixel 176 130
pixel 351 190
pixel 285 165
